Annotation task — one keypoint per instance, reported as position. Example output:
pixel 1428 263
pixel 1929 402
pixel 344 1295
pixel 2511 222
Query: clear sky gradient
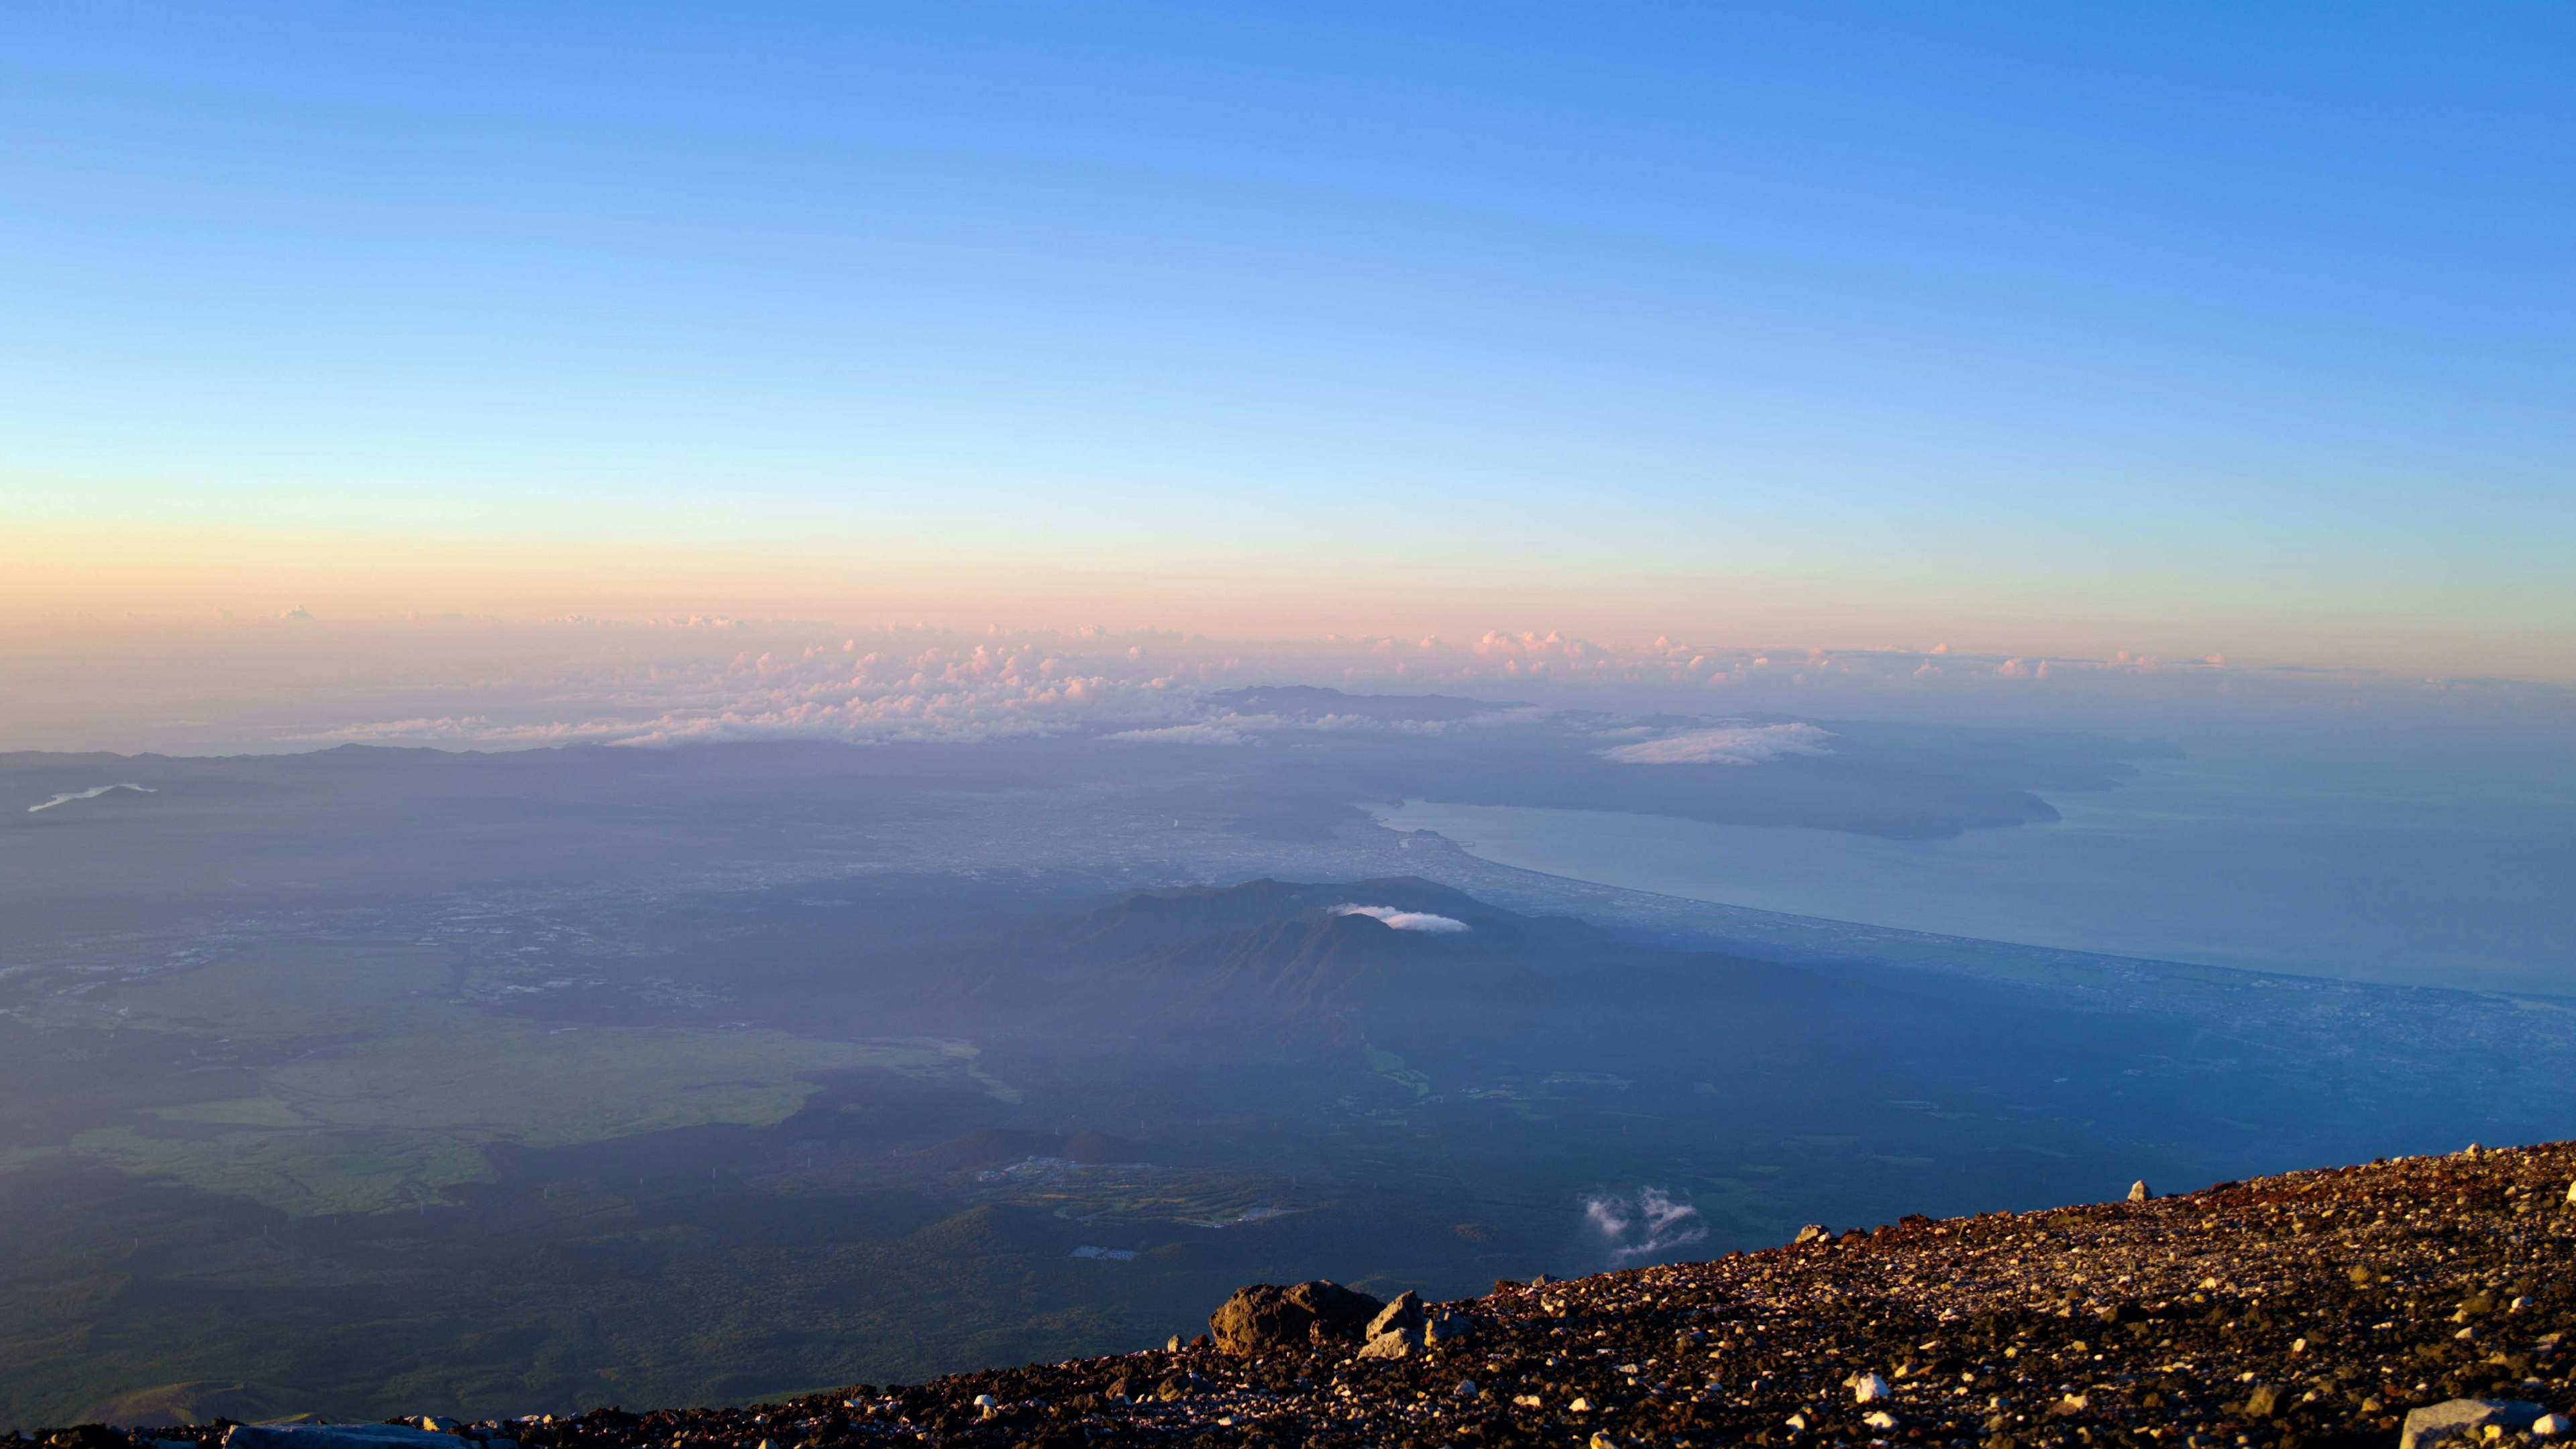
pixel 2183 329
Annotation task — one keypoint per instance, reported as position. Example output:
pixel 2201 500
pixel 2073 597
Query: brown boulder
pixel 1266 1317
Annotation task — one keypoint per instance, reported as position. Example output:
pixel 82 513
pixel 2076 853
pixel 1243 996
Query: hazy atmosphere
pixel 703 705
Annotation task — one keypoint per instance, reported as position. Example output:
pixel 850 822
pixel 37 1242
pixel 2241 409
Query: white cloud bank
pixel 1725 745
pixel 1405 920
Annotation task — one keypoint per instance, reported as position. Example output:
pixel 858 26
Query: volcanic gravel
pixel 2310 1309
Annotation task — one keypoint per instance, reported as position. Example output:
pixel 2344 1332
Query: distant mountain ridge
pixel 1277 963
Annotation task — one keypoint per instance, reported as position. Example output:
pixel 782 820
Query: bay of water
pixel 2321 867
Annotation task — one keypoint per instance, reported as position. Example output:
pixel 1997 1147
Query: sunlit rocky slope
pixel 2336 1307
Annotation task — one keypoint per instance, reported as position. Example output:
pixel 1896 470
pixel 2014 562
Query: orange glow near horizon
pixel 130 582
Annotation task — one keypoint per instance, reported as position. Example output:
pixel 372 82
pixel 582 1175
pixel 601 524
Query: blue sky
pixel 2196 313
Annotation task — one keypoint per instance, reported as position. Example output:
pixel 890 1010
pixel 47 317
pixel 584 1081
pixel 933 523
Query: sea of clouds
pixel 302 683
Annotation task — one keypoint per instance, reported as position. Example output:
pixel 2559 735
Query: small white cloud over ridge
pixel 68 796
pixel 1405 920
pixel 1725 745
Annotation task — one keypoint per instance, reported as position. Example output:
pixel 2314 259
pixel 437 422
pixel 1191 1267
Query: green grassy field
pixel 399 1086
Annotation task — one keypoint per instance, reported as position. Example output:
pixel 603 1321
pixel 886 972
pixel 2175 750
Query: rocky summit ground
pixel 2293 1312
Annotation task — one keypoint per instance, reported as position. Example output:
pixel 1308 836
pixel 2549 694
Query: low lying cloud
pixel 1725 745
pixel 92 793
pixel 1405 920
pixel 1645 1224
pixel 1188 734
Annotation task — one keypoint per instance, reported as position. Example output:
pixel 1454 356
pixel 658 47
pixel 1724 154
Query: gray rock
pixel 1403 1316
pixel 2436 1422
pixel 2139 1191
pixel 1389 1346
pixel 1813 1231
pixel 1265 1316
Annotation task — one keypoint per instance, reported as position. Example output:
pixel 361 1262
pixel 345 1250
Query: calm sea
pixel 2364 869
